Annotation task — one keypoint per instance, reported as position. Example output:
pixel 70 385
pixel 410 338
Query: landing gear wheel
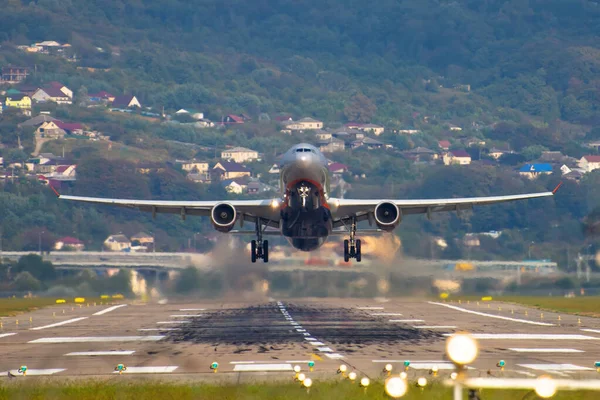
pixel 346 250
pixel 265 251
pixel 358 255
pixel 253 250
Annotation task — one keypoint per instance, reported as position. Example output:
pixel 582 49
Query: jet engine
pixel 223 217
pixel 387 216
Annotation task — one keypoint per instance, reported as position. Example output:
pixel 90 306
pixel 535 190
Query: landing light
pixel 403 375
pixel 388 368
pixel 421 382
pixel 275 203
pixel 352 376
pixel 301 377
pixel 297 369
pixel 545 387
pixel 307 383
pixel 462 349
pixel 395 387
pixel 364 382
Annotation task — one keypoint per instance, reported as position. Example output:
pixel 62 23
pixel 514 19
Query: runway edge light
pixel 23 370
pixel 214 366
pixel 395 387
pixel 311 365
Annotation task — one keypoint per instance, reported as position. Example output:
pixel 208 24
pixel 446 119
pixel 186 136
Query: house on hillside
pixel 51 94
pixel 117 242
pixel 303 124
pixel 21 102
pixel 331 145
pixel 444 144
pixel 420 154
pixel 454 128
pixel 70 128
pixel 37 121
pixel 236 185
pixel 239 154
pixel 61 87
pixel 589 163
pixel 372 128
pixel 69 243
pixel 193 166
pixel 11 74
pixel 456 157
pixel 143 239
pixel 368 142
pixel 126 101
pixel 101 97
pixel 228 170
pixel 337 168
pixel 496 152
pixel 232 119
pixel 532 171
pixel 50 129
pixel 192 113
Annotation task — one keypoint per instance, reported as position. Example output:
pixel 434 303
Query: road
pixel 264 339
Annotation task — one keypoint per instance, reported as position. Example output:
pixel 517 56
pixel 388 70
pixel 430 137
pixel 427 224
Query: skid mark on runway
pixel 109 309
pixel 69 321
pixel 481 314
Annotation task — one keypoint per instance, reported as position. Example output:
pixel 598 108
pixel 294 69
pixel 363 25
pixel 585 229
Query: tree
pixel 81 97
pixel 36 266
pixel 533 152
pixel 188 280
pixel 360 109
pixel 26 281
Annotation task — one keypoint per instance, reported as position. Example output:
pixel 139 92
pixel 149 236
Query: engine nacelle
pixel 223 216
pixel 387 216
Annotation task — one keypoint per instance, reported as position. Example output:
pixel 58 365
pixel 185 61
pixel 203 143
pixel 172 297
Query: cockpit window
pixel 304 150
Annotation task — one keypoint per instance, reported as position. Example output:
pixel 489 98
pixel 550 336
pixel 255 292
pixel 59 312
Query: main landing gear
pixel 259 248
pixel 352 246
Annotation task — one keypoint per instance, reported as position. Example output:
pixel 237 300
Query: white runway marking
pixel 386 314
pixel 591 330
pixel 173 322
pixel 369 308
pixel 69 321
pixel 325 349
pixel 6 334
pixel 109 309
pixel 521 350
pixel 525 373
pixel 158 329
pixel 148 370
pixel 31 372
pixel 528 336
pixel 523 321
pixel 94 339
pixel 406 320
pixel 310 339
pixel 241 362
pixel 262 367
pixel 317 343
pixel 401 361
pixel 555 367
pixel 435 327
pixel 298 361
pixel 334 356
pixel 427 366
pixel 185 315
pixel 301 330
pixel 192 309
pixel 102 353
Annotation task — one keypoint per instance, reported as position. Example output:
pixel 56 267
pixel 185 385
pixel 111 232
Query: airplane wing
pixel 345 209
pixel 249 209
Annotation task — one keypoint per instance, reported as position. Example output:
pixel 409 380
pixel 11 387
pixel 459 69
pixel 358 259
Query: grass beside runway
pixel 165 391
pixel 13 306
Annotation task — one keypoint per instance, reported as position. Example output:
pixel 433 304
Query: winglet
pixel 54 190
pixel 557 187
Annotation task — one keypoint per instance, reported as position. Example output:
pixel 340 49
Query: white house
pixel 460 157
pixel 239 154
pixel 589 163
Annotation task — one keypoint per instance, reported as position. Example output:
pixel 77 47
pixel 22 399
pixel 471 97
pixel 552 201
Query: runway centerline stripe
pixel 528 336
pixel 434 327
pixel 262 367
pixel 6 334
pixel 147 370
pixel 539 350
pixel 406 320
pixel 92 339
pixel 481 314
pixel 369 308
pixel 69 321
pixel 102 353
pixel 109 309
pixel 386 314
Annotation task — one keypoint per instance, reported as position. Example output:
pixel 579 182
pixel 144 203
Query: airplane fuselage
pixel 306 219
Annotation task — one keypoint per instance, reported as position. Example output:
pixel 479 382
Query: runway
pixel 264 340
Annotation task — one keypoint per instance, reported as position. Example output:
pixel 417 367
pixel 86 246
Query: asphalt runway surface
pixel 264 339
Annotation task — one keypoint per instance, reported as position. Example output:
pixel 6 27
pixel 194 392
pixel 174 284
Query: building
pixel 143 239
pixel 37 121
pixel 454 157
pixel 70 128
pixel 228 170
pixel 14 74
pixel 117 242
pixel 421 154
pixel 444 144
pixel 474 142
pixel 303 124
pixel 239 155
pixel 126 101
pixel 332 145
pixel 69 243
pixel 101 97
pixel 232 119
pixel 51 130
pixel 496 153
pixel 236 185
pixel 368 142
pixel 193 166
pixel 323 135
pixel 372 128
pixel 61 87
pixel 51 94
pixel 337 168
pixel 532 171
pixel 21 102
pixel 410 131
pixel 192 113
pixel 454 127
pixel 589 163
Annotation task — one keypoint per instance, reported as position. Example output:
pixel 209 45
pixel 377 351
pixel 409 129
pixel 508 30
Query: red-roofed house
pixel 51 94
pixel 589 163
pixel 126 101
pixel 460 157
pixel 69 243
pixel 282 118
pixel 61 87
pixel 71 128
pixel 233 119
pixel 337 168
pixel 444 144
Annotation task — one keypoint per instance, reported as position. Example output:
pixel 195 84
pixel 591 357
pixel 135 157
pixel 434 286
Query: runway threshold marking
pixel 524 350
pixel 244 362
pixel 325 349
pixel 555 367
pixel 262 367
pixel 109 309
pixel 6 334
pixel 102 353
pixel 528 336
pixel 147 370
pixel 481 314
pixel 429 365
pixel 95 339
pixel 317 343
pixel 30 372
pixel 69 321
pixel 334 356
pixel 401 361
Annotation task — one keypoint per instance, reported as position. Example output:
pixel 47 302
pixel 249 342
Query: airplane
pixel 305 214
